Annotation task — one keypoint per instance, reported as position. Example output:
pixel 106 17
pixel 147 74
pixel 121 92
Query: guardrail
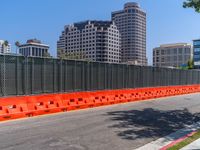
pixel 28 106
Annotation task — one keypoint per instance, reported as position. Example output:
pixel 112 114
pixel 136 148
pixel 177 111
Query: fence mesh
pixel 25 75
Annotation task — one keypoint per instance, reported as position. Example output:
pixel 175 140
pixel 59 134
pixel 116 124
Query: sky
pixel 167 20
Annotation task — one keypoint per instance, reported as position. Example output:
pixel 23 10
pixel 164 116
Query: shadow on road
pixel 150 123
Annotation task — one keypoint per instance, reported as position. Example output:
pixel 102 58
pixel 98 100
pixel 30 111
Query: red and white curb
pixel 171 139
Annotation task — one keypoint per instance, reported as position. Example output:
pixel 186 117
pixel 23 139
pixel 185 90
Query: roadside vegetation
pixel 186 141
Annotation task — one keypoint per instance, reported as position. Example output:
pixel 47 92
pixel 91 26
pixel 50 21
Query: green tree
pixel 191 64
pixel 70 55
pixel 6 43
pixel 47 55
pixel 17 44
pixel 192 4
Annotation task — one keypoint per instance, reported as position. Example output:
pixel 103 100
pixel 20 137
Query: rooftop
pixel 96 23
pixel 35 42
pixel 131 5
pixel 196 40
pixel 175 44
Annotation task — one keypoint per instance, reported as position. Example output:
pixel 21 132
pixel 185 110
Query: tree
pixel 192 4
pixel 17 44
pixel 191 64
pixel 6 43
pixel 47 55
pixel 79 55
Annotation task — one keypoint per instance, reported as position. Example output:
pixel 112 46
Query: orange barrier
pixel 28 106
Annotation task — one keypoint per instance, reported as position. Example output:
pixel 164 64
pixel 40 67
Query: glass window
pixel 175 51
pixel 197 43
pixel 196 49
pixel 33 51
pixel 180 50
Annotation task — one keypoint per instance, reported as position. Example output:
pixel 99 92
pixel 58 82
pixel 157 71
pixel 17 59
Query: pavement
pixel 118 127
pixel 172 139
pixel 193 146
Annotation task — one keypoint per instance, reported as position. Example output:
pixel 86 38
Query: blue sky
pixel 167 21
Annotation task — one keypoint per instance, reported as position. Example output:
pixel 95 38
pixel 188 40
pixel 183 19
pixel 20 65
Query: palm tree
pixel 17 44
pixel 6 43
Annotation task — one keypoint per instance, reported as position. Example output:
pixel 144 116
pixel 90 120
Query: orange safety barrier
pixel 12 108
pixel 27 106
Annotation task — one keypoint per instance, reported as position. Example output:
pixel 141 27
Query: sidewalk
pixel 193 146
pixel 162 143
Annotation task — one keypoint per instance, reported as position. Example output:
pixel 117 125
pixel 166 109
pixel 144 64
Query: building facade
pixel 172 55
pixel 4 49
pixel 196 47
pixel 131 22
pixel 90 40
pixel 34 48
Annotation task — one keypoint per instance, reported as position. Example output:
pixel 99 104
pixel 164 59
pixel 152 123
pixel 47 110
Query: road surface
pixel 118 127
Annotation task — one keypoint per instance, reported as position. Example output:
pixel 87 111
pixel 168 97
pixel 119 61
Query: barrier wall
pixel 28 75
pixel 28 106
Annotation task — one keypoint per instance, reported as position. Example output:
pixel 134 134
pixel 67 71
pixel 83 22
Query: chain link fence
pixel 26 75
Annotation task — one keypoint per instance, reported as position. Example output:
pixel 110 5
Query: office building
pixel 4 49
pixel 172 55
pixel 91 40
pixel 34 48
pixel 131 22
pixel 196 47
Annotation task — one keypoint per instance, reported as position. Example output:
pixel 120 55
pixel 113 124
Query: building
pixel 172 55
pixel 4 48
pixel 90 40
pixel 196 47
pixel 131 22
pixel 34 48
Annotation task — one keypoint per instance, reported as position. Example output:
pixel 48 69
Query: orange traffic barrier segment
pixel 28 106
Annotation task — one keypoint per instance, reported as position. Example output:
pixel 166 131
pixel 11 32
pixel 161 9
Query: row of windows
pixel 175 58
pixel 196 49
pixel 172 51
pixel 33 51
pixel 196 43
pixel 88 28
pixel 131 22
pixel 130 15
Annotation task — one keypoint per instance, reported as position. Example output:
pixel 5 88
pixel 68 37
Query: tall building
pixel 93 40
pixel 4 48
pixel 172 55
pixel 131 22
pixel 34 48
pixel 196 46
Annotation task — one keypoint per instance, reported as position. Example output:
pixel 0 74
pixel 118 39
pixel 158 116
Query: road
pixel 118 127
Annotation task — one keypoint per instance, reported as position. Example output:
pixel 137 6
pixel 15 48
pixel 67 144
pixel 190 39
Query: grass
pixel 186 141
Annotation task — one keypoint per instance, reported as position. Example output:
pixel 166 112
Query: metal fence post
pixel 4 75
pixel 16 72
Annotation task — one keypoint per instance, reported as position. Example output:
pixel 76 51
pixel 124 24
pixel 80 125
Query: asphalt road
pixel 118 127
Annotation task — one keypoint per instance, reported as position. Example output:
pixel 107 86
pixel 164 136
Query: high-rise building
pixel 172 55
pixel 196 46
pixel 91 40
pixel 4 48
pixel 34 48
pixel 131 22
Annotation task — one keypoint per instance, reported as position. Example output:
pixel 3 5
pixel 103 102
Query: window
pixel 180 50
pixel 196 43
pixel 196 49
pixel 175 51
